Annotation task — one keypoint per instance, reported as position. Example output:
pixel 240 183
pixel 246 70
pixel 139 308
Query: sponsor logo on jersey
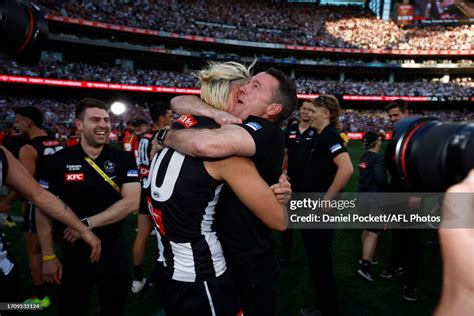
pixel 335 148
pixel 109 166
pixel 50 143
pixel 363 165
pixel 73 167
pixel 72 177
pixel 44 183
pixel 132 173
pixel 293 136
pixel 187 121
pixel 254 125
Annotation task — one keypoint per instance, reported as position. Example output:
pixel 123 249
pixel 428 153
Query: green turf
pixel 356 296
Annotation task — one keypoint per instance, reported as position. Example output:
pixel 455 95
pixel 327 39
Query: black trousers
pixel 257 285
pixel 318 246
pixel 110 275
pixel 406 253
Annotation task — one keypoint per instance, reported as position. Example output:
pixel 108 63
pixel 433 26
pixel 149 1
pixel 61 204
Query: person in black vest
pixel 372 178
pixel 14 175
pixel 328 169
pixel 101 184
pixel 29 122
pixel 248 243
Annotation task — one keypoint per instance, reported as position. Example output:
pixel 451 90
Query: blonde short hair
pixel 216 79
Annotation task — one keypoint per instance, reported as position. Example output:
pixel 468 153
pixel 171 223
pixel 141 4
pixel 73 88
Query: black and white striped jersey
pixel 181 199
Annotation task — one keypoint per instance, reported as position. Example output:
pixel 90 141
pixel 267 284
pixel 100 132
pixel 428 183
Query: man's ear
pixel 78 125
pixel 274 109
pixel 327 114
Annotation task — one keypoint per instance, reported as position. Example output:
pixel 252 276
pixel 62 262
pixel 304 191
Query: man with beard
pixel 101 184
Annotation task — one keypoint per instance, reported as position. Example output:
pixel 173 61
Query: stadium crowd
pixel 62 111
pixel 59 115
pixel 81 71
pixel 348 27
pixel 420 87
pixel 377 120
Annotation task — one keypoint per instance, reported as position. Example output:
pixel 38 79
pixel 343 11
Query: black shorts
pixel 29 218
pixel 143 209
pixel 213 297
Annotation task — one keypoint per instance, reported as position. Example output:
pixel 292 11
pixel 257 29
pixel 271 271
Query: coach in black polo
pixel 101 184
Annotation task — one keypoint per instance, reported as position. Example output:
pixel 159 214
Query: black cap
pixel 369 139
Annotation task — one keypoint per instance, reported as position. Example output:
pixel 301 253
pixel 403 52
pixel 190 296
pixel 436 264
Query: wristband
pixel 86 222
pixel 161 135
pixel 48 258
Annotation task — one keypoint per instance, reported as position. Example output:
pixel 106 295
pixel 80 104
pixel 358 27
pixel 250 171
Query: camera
pixel 429 155
pixel 23 31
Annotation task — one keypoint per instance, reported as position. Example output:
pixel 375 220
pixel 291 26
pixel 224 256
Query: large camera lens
pixel 429 155
pixel 23 30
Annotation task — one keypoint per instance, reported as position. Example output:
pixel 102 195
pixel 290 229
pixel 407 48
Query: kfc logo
pixel 71 177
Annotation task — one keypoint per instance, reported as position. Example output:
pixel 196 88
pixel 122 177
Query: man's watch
pixel 161 135
pixel 86 222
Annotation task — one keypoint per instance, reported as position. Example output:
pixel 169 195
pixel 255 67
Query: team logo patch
pixel 187 121
pixel 44 183
pixel 132 173
pixel 363 165
pixel 73 177
pixel 73 167
pixel 335 148
pixel 254 125
pixel 109 166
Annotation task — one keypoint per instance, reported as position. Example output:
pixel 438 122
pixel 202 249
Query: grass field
pixel 356 295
